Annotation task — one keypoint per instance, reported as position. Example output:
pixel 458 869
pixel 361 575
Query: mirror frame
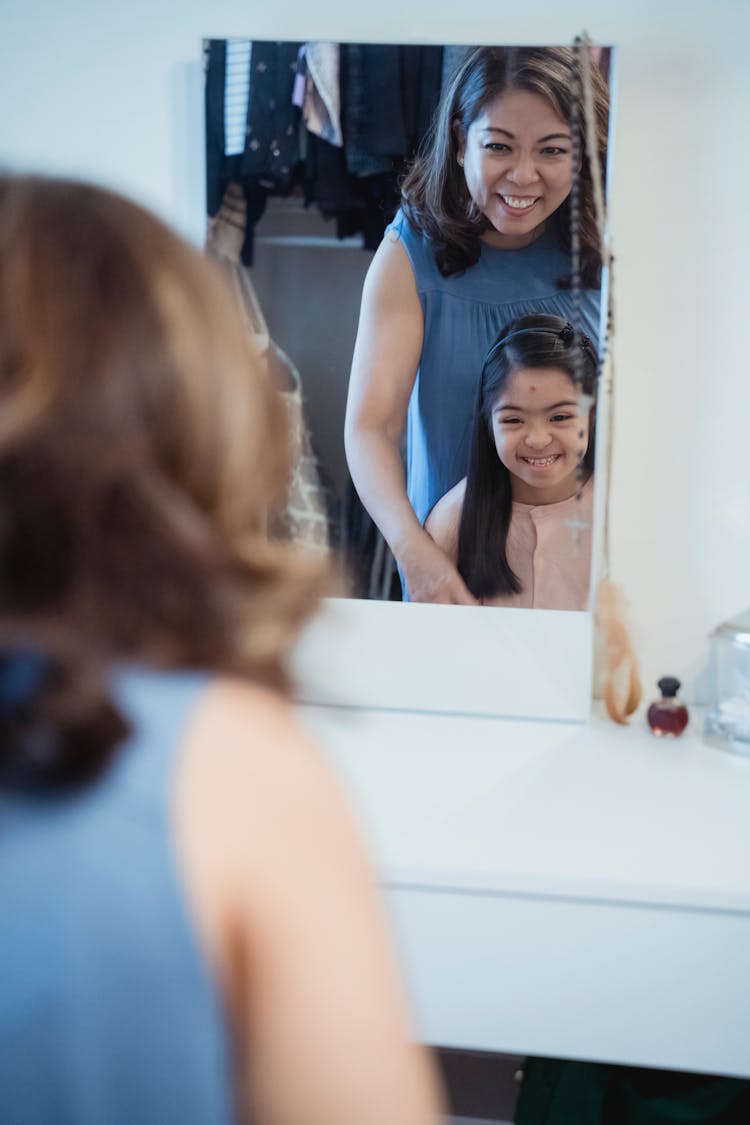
pixel 500 662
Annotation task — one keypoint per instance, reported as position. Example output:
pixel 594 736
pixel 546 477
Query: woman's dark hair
pixel 435 198
pixel 527 342
pixel 142 451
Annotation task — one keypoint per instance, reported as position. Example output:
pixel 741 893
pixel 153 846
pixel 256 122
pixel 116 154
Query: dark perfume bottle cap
pixel 669 686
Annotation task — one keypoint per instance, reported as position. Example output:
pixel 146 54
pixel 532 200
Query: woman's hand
pixel 441 531
pixel 429 574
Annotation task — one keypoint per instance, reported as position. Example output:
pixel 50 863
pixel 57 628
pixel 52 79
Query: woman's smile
pixel 518 204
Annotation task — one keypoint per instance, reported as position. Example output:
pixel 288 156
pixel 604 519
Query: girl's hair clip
pixel 566 334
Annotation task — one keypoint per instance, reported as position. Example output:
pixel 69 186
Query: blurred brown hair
pixel 141 454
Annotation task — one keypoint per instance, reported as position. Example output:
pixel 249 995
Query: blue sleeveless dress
pixel 463 315
pixel 109 1014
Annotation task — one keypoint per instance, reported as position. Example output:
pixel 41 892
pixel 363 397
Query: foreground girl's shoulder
pixel 246 765
pixel 288 908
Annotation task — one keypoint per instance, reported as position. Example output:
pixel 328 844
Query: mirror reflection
pixel 397 221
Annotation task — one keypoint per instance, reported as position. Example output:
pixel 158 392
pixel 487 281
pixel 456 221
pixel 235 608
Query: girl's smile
pixel 539 434
pixel 542 462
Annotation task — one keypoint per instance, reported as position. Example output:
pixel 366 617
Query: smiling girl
pixel 518 526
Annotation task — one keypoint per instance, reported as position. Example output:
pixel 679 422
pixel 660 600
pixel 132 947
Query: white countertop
pixel 570 890
pixel 593 811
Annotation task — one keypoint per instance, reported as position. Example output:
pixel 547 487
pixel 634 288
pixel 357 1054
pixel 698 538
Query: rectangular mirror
pixel 439 181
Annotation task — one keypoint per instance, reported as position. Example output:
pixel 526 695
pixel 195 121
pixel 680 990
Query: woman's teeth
pixel 541 460
pixel 515 201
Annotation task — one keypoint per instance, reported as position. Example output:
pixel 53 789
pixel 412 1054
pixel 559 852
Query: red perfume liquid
pixel 667 717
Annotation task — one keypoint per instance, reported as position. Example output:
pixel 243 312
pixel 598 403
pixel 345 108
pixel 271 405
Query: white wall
pixel 111 91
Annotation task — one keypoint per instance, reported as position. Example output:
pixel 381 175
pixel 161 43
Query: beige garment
pixel 304 519
pixel 321 109
pixel 551 558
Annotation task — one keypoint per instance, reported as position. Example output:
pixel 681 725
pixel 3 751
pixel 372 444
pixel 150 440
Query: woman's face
pixel 539 434
pixel 517 161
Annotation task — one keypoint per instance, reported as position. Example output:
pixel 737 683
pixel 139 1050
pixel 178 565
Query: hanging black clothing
pixel 272 138
pixel 271 154
pixel 389 95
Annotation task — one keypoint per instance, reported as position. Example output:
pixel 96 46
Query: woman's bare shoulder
pixel 443 521
pixel 391 268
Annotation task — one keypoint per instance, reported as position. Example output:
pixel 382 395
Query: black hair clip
pixel 566 334
pixel 24 672
pixel 587 347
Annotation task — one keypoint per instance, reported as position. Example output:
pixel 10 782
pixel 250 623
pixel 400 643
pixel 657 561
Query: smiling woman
pixel 516 159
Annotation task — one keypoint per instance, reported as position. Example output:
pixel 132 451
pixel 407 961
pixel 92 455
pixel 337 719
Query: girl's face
pixel 518 166
pixel 539 434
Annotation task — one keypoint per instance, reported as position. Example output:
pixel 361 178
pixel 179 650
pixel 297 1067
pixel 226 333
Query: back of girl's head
pixel 140 450
pixel 435 196
pixel 529 342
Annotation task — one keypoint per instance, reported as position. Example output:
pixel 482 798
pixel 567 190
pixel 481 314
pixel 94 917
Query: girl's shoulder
pixel 242 732
pixel 245 767
pixel 259 815
pixel 443 522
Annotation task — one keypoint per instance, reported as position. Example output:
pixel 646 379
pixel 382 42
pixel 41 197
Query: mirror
pixel 301 196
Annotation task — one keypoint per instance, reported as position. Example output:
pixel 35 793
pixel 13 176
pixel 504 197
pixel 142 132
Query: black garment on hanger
pixel 272 136
pixel 389 94
pixel 270 159
pixel 215 57
pixel 360 205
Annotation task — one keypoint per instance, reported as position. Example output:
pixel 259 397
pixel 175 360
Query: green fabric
pixel 557 1092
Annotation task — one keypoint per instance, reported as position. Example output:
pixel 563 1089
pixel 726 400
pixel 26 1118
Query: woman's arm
pixel 289 912
pixel 384 369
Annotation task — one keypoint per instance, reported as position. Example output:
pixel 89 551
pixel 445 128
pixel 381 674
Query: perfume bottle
pixel 668 716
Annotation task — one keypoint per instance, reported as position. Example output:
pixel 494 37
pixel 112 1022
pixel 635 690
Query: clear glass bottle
pixel 668 716
pixel 728 715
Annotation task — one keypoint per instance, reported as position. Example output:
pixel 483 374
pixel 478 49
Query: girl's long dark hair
pixel 434 195
pixel 528 341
